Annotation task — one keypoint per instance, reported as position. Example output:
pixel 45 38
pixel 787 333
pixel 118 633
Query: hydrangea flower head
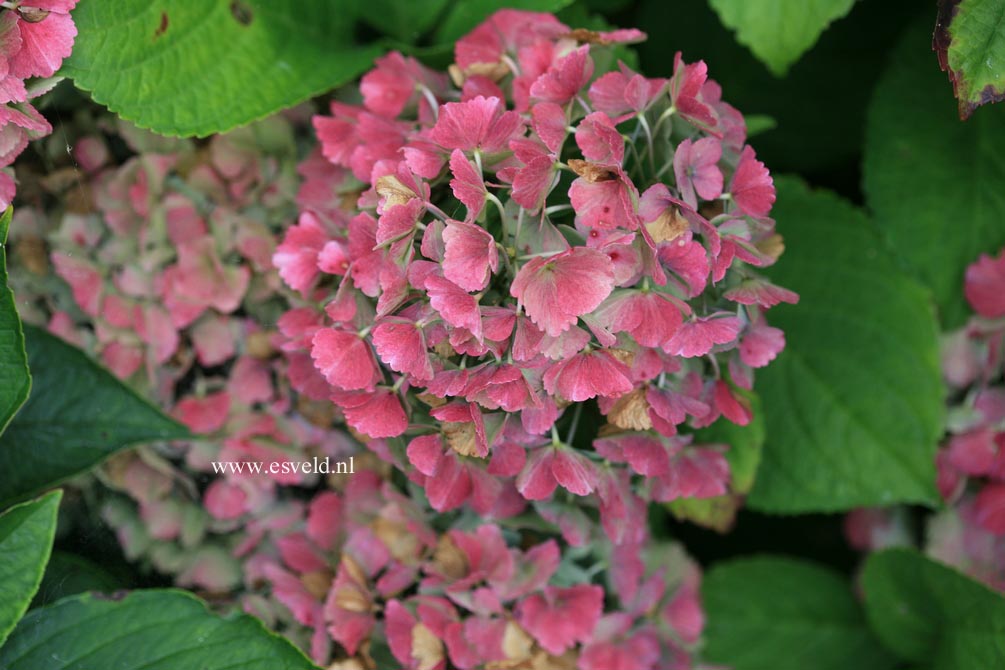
pixel 526 236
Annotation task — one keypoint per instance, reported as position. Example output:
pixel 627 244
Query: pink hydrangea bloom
pixel 468 285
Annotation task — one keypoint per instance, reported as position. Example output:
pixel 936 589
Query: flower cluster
pixel 348 566
pixel 35 37
pixel 486 251
pixel 365 568
pixel 168 282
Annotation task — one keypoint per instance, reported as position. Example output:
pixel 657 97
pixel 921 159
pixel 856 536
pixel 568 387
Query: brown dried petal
pixel 317 582
pixel 591 172
pixel 395 192
pixel 403 545
pixel 30 252
pixel 259 345
pixel 461 437
pixel 623 356
pixel 668 226
pixel 449 559
pixel 631 411
pixel 494 71
pixel 431 400
pixel 32 14
pixel 587 37
pixel 427 649
pixel 773 246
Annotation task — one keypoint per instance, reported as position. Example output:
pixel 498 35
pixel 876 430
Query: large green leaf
pixel 931 614
pixel 854 405
pixel 15 381
pixel 935 184
pixel 77 415
pixel 769 613
pixel 26 534
pixel 779 31
pixel 152 630
pixel 195 67
pixel 970 38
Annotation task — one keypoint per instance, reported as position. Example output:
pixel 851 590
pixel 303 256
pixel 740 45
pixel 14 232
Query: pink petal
pixel 973 453
pixel 468 185
pixel 549 124
pixel 204 415
pixel 324 517
pixel 455 305
pixel 380 415
pixel 297 257
pixel 985 286
pixel 761 345
pixel 451 486
pixel 536 481
pixel 470 255
pixel 44 45
pixel 574 472
pixel 564 79
pixel 752 188
pixel 587 375
pixel 402 347
pixel 299 554
pixel 424 453
pixel 224 500
pixel 561 617
pixel 555 291
pixel 479 123
pixel 603 204
pixel 698 336
pixel 989 508
pixel 600 140
pixel 344 359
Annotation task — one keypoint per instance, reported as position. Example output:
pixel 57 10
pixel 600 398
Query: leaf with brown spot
pixel 969 39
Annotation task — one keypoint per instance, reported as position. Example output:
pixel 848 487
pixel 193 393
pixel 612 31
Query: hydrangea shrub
pixel 602 241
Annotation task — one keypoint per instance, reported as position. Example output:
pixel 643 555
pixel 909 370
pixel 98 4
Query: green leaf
pixel 779 31
pixel 406 21
pixel 155 629
pixel 758 124
pixel 768 613
pixel 15 382
pixel 26 535
pixel 77 415
pixel 196 67
pixel 69 574
pixel 466 14
pixel 854 405
pixel 744 455
pixel 970 39
pixel 928 613
pixel 935 184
